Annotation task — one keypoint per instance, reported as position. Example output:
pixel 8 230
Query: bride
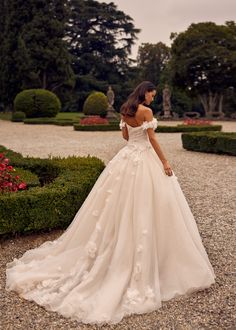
pixel 134 242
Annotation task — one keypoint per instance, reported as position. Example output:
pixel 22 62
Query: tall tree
pixel 204 62
pixel 152 60
pixel 100 38
pixel 34 53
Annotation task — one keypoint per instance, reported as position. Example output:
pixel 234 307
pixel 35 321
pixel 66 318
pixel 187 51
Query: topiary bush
pixel 96 104
pixel 37 103
pixel 18 116
pixel 64 185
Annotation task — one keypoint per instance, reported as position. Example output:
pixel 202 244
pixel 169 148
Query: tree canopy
pixel 73 47
pixel 33 52
pixel 152 60
pixel 204 62
pixel 61 44
pixel 100 38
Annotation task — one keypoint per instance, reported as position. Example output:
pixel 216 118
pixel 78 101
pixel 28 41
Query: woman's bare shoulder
pixel 145 112
pixel 144 109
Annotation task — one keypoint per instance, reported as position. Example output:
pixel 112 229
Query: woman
pixel 134 242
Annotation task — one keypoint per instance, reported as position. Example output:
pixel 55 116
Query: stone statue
pixel 110 96
pixel 166 94
pixel 111 113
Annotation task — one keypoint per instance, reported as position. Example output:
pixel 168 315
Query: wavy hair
pixel 130 107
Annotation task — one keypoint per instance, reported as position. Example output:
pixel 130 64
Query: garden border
pixel 65 184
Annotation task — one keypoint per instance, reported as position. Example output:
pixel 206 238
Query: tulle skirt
pixel 133 244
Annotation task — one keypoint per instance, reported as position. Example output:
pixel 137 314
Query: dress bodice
pixel 139 134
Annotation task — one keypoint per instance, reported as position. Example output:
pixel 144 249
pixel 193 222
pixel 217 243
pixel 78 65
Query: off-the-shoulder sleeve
pixel 150 124
pixel 122 124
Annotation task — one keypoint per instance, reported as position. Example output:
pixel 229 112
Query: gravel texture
pixel 208 182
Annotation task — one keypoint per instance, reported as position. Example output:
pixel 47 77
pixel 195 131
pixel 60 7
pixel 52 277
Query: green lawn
pixel 69 115
pixel 61 115
pixel 5 116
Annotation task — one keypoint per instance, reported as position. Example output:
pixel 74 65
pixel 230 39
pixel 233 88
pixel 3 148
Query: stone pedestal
pixel 111 113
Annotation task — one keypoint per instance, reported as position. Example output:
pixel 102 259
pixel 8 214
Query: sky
pixel 158 18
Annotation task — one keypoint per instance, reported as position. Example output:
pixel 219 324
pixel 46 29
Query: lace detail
pixel 150 124
pixel 134 298
pixel 91 249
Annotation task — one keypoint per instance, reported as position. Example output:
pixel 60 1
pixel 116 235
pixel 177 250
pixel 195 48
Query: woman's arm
pixel 152 138
pixel 125 133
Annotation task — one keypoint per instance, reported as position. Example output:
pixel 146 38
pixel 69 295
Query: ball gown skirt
pixel 133 244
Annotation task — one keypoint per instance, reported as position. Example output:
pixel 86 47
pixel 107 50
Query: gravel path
pixel 207 182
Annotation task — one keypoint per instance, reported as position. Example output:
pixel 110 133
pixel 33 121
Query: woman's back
pixel 138 119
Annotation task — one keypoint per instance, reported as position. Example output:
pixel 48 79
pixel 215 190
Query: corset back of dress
pixel 138 135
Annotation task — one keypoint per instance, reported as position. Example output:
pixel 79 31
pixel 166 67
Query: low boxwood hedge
pixel 114 126
pixel 50 121
pixel 64 185
pixel 187 128
pixel 160 129
pixel 213 142
pixel 101 127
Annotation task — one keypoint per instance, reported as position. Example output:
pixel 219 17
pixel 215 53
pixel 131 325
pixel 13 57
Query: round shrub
pixel 18 116
pixel 37 103
pixel 96 104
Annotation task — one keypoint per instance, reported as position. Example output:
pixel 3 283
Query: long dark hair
pixel 130 107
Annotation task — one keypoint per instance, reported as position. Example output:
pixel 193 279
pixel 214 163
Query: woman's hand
pixel 167 168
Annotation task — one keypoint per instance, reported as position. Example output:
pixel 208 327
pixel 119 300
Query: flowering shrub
pixel 196 122
pixel 94 120
pixel 9 182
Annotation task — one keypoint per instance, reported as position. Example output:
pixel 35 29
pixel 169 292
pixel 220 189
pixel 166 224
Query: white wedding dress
pixel 133 244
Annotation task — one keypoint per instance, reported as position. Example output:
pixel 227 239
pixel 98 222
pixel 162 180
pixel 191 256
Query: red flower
pixel 22 185
pixel 190 121
pixel 2 167
pixel 8 183
pixel 94 120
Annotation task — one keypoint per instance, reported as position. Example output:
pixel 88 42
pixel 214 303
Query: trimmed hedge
pixel 114 126
pixel 100 127
pixel 49 121
pixel 188 128
pixel 37 103
pixel 213 142
pixel 65 184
